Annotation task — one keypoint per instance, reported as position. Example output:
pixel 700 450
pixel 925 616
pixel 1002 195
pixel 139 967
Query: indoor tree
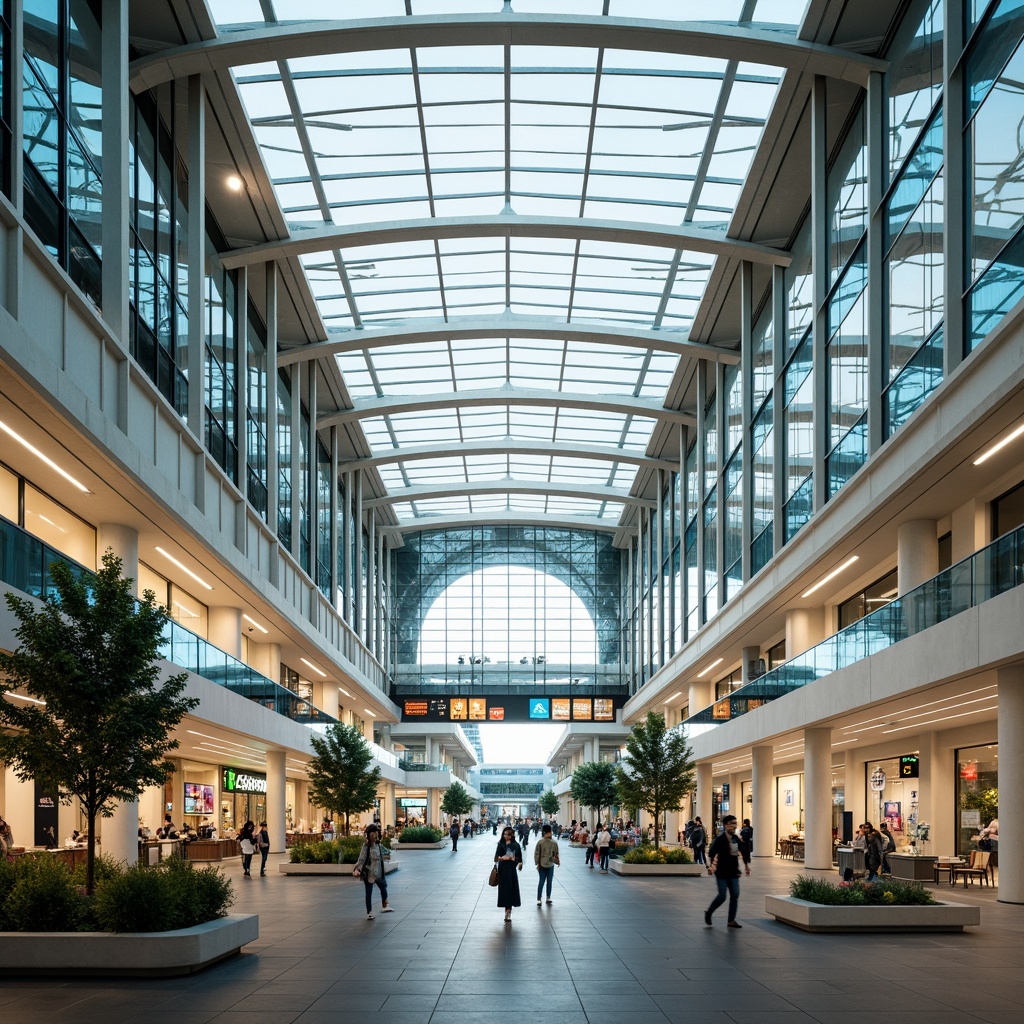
pixel 549 802
pixel 100 720
pixel 340 777
pixel 593 785
pixel 656 772
pixel 456 800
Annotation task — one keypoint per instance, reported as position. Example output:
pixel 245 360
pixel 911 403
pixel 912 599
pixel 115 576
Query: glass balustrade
pixel 25 565
pixel 989 572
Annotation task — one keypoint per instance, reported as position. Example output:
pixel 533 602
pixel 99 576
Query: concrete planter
pixel 813 917
pixel 422 846
pixel 141 954
pixel 338 870
pixel 618 867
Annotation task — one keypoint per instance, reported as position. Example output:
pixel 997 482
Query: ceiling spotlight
pixel 233 182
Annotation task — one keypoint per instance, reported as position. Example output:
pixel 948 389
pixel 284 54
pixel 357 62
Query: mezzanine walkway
pixel 609 949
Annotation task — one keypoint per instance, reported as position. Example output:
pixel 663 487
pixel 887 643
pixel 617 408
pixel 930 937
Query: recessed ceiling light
pixel 233 182
pixel 713 664
pixel 831 576
pixel 188 572
pixel 999 445
pixel 253 622
pixel 43 458
pixel 309 664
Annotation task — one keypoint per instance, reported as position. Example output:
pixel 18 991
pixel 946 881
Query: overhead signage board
pixel 510 708
pixel 910 766
pixel 233 780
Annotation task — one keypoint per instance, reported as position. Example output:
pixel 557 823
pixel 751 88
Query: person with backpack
pixel 453 831
pixel 698 841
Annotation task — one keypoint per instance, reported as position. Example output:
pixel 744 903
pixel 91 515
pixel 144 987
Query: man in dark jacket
pixel 725 854
pixel 453 831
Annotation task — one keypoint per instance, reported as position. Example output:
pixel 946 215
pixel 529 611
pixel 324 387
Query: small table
pixel 914 868
pixel 946 866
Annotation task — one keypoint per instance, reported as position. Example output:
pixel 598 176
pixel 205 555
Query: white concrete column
pixel 225 630
pixel 917 557
pixel 120 833
pixel 701 694
pixel 704 784
pixel 277 800
pixel 804 628
pixel 818 798
pixel 20 808
pixel 970 528
pixel 856 791
pixel 750 657
pixel 124 542
pixel 762 815
pixel 1011 790
pixel 736 796
pixel 266 659
pixel 936 793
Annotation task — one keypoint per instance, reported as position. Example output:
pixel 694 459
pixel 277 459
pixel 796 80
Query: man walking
pixel 545 856
pixel 698 841
pixel 453 831
pixel 604 840
pixel 725 852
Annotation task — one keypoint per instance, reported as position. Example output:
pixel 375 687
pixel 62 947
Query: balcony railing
pixel 25 565
pixel 993 570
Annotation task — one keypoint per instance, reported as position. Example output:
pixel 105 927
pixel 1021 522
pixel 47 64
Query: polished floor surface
pixel 608 949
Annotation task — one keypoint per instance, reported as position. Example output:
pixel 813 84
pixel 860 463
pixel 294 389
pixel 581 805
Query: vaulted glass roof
pixel 484 128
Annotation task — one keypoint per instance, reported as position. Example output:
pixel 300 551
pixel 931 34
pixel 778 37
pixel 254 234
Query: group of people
pixel 877 845
pixel 597 843
pixel 253 842
pixel 508 861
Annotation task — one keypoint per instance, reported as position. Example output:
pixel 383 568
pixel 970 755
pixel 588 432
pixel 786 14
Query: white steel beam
pixel 584 492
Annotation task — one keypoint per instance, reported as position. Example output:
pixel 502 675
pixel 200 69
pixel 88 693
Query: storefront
pixel 893 796
pixel 243 798
pixel 977 794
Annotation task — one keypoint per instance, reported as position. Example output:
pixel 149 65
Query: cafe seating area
pixel 791 847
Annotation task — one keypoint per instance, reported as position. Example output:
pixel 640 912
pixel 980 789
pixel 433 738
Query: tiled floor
pixel 609 949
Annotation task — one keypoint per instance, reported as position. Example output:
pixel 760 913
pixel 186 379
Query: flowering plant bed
pixel 877 917
pixel 889 892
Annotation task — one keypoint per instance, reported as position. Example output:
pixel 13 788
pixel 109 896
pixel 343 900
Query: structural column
pixel 276 800
pixel 762 814
pixel 703 808
pixel 197 258
pixel 225 630
pixel 120 833
pixel 804 628
pixel 818 798
pixel 917 557
pixel 1011 789
pixel 124 542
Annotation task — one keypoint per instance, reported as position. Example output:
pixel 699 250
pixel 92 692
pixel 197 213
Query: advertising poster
pixel 459 707
pixel 582 709
pixel 496 714
pixel 477 709
pixel 560 709
pixel 893 815
pixel 604 709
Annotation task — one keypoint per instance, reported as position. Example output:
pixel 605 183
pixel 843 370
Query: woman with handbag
pixel 247 841
pixel 263 845
pixel 508 860
pixel 370 868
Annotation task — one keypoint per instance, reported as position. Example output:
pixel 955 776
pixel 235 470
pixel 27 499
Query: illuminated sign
pixel 477 709
pixel 582 709
pixel 540 707
pixel 910 766
pixel 235 781
pixel 604 709
pixel 492 707
pixel 560 709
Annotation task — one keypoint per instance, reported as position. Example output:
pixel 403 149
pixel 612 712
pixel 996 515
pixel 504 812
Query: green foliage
pixel 421 834
pixel 104 868
pixel 677 855
pixel 102 723
pixel 885 892
pixel 173 895
pixel 984 800
pixel 344 850
pixel 549 802
pixel 645 854
pixel 340 777
pixel 39 895
pixel 456 799
pixel 593 785
pixel 656 772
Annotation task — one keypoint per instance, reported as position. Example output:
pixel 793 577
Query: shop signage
pixel 511 708
pixel 878 780
pixel 969 772
pixel 235 781
pixel 910 766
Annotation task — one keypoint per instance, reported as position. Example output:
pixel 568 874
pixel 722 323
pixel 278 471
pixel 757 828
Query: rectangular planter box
pixel 142 954
pixel 691 870
pixel 813 917
pixel 338 870
pixel 914 868
pixel 422 846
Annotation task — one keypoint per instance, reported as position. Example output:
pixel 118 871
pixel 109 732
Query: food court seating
pixel 977 867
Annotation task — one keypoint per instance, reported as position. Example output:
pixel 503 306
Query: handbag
pixel 492 878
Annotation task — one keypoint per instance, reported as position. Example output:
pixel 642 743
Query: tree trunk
pixel 348 831
pixel 90 850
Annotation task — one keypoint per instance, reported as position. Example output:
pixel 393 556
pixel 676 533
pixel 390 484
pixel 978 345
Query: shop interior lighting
pixel 254 623
pixel 831 576
pixel 673 697
pixel 714 664
pixel 999 445
pixel 184 569
pixel 43 458
pixel 309 664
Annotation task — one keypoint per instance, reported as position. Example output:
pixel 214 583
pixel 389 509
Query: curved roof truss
pixel 600 453
pixel 508 326
pixel 285 41
pixel 332 237
pixel 452 522
pixel 509 486
pixel 366 408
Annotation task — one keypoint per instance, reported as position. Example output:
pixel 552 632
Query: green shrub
pixel 884 892
pixel 103 868
pixel 644 854
pixel 324 851
pixel 173 895
pixel 421 834
pixel 677 855
pixel 43 898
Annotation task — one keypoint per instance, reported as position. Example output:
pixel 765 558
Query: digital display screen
pixel 198 798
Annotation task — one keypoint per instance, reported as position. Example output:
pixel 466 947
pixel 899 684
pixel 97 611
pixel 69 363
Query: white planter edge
pixel 688 870
pixel 139 954
pixel 813 917
pixel 338 870
pixel 422 846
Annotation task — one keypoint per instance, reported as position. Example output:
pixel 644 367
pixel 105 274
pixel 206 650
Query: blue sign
pixel 540 707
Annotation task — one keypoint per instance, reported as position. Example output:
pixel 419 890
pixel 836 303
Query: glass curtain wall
pixel 762 436
pixel 221 363
pixel 798 385
pixel 62 138
pixel 5 98
pixel 256 413
pixel 284 461
pixel 733 480
pixel 323 519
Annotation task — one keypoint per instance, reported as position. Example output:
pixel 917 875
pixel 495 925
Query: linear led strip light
pixel 831 576
pixel 999 445
pixel 44 458
pixel 184 568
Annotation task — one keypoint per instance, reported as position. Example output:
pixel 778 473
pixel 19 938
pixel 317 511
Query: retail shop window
pixel 776 655
pixel 945 551
pixel 977 796
pixel 726 685
pixel 871 598
pixel 189 611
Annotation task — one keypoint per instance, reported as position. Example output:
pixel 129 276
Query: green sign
pixel 234 780
pixel 910 766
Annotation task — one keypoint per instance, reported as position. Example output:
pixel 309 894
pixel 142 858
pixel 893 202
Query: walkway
pixel 610 949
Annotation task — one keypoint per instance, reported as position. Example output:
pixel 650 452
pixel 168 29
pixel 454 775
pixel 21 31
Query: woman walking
pixel 370 868
pixel 247 840
pixel 508 859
